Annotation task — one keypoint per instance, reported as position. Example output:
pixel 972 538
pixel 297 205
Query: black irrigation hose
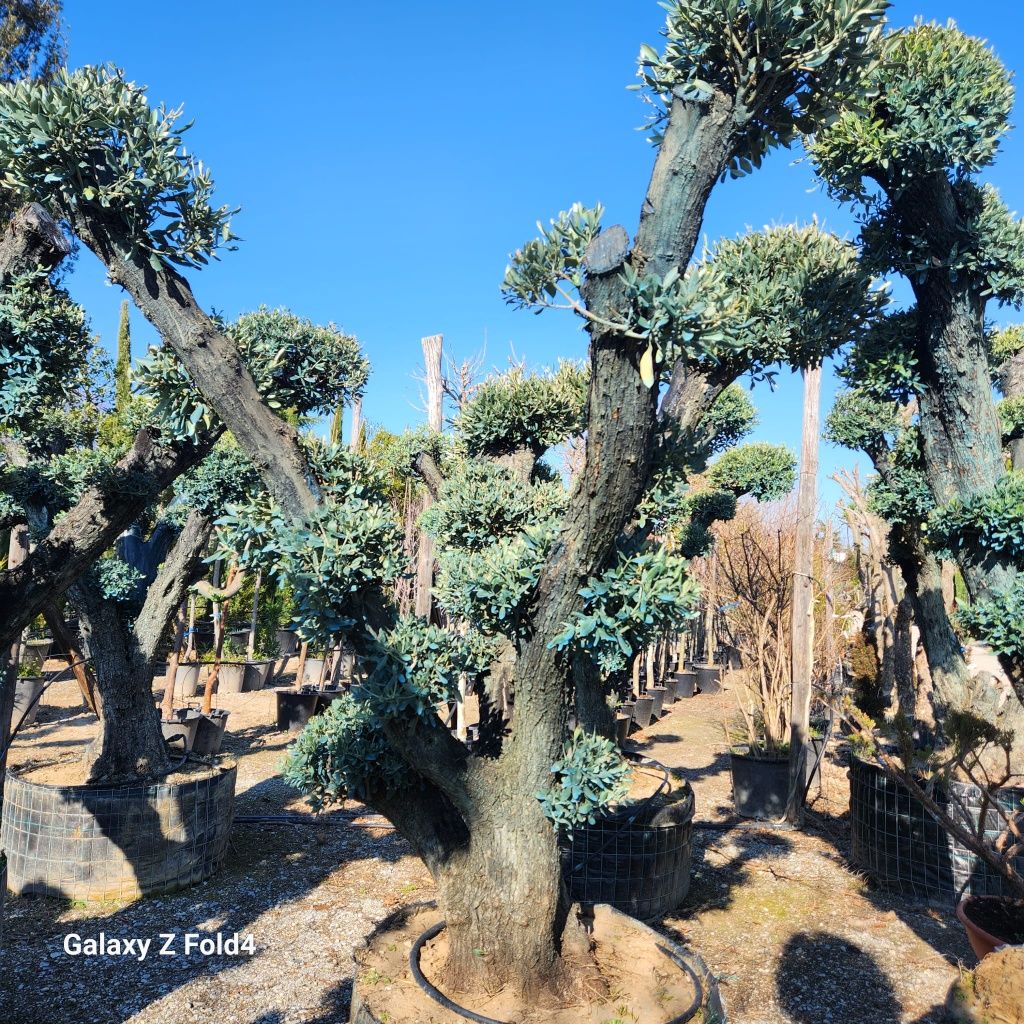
pixel 435 994
pixel 298 818
pixel 698 987
pixel 439 997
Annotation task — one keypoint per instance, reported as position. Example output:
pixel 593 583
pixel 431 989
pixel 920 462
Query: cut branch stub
pixel 608 251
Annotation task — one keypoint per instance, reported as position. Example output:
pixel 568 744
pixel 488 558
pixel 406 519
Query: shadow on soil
pixel 338 1001
pixel 267 864
pixel 813 984
pixel 933 923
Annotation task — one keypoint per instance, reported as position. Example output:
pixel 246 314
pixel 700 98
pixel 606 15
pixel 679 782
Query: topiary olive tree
pixel 67 440
pixel 735 78
pixel 908 158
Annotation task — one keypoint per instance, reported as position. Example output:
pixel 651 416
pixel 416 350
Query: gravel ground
pixel 794 934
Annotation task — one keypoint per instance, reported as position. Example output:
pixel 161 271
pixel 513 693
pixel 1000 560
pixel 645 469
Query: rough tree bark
pixel 130 743
pixel 953 687
pixel 960 432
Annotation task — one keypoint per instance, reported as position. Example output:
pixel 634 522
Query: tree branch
pixel 429 472
pixel 171 585
pixel 621 428
pixel 210 356
pixel 32 240
pixel 88 529
pixel 434 753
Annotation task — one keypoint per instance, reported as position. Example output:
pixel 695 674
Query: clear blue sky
pixel 388 157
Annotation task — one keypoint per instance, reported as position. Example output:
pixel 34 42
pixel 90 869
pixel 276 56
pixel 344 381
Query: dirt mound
pixel 994 993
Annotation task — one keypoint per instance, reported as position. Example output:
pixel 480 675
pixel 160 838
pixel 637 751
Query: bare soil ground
pixel 794 934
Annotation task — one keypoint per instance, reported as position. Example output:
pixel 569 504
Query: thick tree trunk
pixel 503 904
pixel 953 686
pixel 960 433
pixel 621 428
pixel 130 743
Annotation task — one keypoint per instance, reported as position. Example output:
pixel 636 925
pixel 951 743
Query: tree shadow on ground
pixel 813 982
pixel 338 1000
pixel 718 765
pixel 267 864
pixel 714 881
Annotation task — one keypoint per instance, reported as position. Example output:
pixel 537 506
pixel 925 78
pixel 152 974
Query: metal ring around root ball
pixel 439 997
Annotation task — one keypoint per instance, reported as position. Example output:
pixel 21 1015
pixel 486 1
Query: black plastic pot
pixel 326 697
pixel 812 761
pixel 295 708
pixel 256 674
pixel 26 700
pixel 622 727
pixel 210 732
pixel 185 723
pixel 626 708
pixel 658 693
pixel 669 683
pixel 643 708
pixel 36 651
pixel 708 678
pixel 288 641
pixel 686 684
pixel 231 677
pixel 186 678
pixel 760 785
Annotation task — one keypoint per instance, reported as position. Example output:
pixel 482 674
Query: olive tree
pixel 928 118
pixel 483 824
pixel 71 439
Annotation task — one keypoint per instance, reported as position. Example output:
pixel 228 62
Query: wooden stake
pixel 803 594
pixel 250 645
pixel 432 347
pixel 76 658
pixel 167 705
pixel 303 651
pixel 219 615
pixel 357 423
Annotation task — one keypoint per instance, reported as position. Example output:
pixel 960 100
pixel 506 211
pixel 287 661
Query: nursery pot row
pixel 233 676
pixel 686 684
pixel 203 733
